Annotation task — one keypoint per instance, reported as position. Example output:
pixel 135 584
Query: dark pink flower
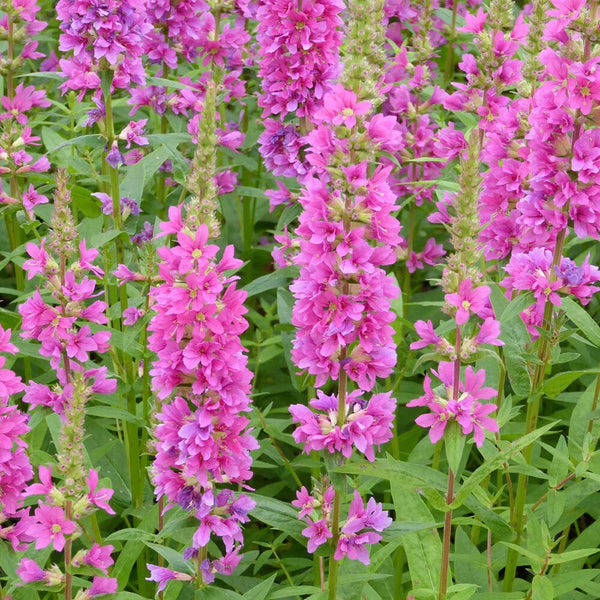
pixel 50 527
pixel 317 532
pixel 468 300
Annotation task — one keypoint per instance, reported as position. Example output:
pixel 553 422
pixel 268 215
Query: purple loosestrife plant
pixel 200 376
pixel 346 235
pixel 60 319
pixel 202 383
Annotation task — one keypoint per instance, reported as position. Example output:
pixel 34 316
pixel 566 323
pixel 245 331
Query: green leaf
pixel 586 324
pixel 542 588
pixel 169 139
pixel 423 549
pixel 173 557
pixel 580 417
pixel 469 563
pixel 168 83
pixel 279 515
pixel 564 557
pixel 462 591
pixel 250 192
pixel 129 534
pixel 213 593
pixel 92 140
pixel 298 590
pixel 138 175
pixel 276 279
pixel 404 473
pixel 490 465
pixel 132 549
pixel 454 444
pixel 556 384
pixel 261 591
pixel 515 307
pixel 515 336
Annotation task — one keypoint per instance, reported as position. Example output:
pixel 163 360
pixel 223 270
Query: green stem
pixel 334 564
pixel 531 419
pixel 451 38
pixel 68 552
pixel 445 565
pixel 399 561
pixel 337 500
pixel 10 82
pixel 131 429
pixel 594 403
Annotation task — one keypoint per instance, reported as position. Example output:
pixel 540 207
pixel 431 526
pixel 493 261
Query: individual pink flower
pixel 50 527
pixel 474 418
pixel 317 532
pixel 99 497
pixel 468 300
pixel 427 334
pixel 489 332
pixel 29 571
pixel 304 501
pixel 341 107
pixel 162 575
pixel 436 420
pixel 103 585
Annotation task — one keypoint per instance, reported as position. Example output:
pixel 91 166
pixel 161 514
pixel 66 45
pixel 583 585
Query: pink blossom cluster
pixel 404 21
pixel 346 235
pixel 534 271
pixel 364 425
pixel 461 401
pixel 102 36
pixel 298 48
pixel 178 31
pixel 15 468
pixel 405 101
pixel 202 381
pixel 299 44
pixel 63 320
pixel 25 27
pixel 17 156
pixel 51 525
pixel 542 180
pixel 360 530
pixel 464 407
